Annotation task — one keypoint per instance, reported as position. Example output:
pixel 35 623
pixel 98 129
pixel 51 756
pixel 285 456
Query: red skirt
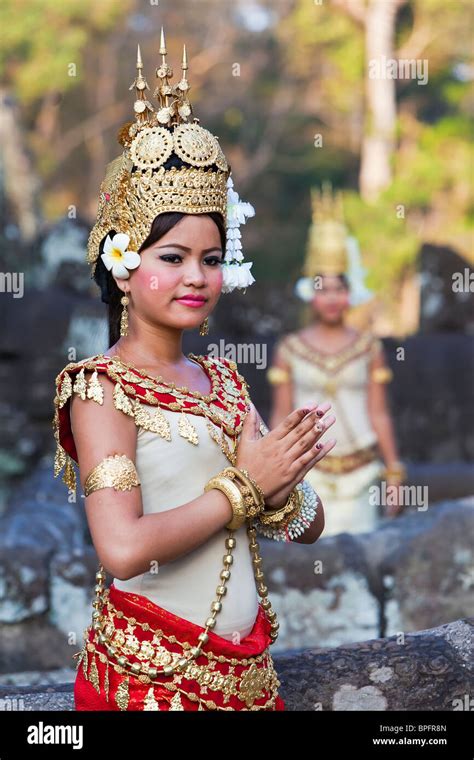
pixel 225 676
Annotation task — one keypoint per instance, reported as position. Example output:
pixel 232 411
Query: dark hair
pixel 111 293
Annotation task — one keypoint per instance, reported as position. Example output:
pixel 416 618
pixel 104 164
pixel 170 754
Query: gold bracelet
pixel 284 513
pixel 253 495
pixel 254 483
pixel 397 471
pixel 116 471
pixel 229 488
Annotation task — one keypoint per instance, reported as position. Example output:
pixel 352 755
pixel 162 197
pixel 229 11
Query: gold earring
pixel 124 317
pixel 204 327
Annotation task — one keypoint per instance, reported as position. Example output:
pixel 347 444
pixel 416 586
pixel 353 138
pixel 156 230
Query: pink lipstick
pixel 191 300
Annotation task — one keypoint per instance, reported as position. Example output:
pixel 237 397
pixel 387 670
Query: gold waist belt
pixel 348 462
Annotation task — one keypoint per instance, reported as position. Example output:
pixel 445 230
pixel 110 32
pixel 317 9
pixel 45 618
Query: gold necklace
pixel 178 388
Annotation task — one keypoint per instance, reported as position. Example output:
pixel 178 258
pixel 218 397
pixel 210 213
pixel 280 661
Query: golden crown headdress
pixel 327 246
pixel 331 250
pixel 140 183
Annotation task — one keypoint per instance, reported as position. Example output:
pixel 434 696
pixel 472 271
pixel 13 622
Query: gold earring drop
pixel 204 327
pixel 124 317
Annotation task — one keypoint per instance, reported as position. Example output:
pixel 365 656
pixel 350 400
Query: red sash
pixel 233 676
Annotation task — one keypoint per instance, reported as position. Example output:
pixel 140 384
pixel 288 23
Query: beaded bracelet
pixel 297 525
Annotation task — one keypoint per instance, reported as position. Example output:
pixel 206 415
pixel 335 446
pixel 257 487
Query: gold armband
pixel 278 375
pixel 382 375
pixel 116 471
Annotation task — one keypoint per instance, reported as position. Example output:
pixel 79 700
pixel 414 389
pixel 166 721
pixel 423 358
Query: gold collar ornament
pixel 331 250
pixel 144 181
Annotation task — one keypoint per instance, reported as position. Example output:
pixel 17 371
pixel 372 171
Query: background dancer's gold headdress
pixel 331 250
pixel 327 249
pixel 143 182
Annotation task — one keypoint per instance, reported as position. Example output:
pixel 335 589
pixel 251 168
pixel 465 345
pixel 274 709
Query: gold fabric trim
pixel 348 462
pixel 332 363
pixel 248 687
pixel 152 653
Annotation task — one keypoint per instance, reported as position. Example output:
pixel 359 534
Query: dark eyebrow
pixel 185 248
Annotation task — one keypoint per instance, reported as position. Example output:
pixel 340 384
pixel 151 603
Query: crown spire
pixel 162 44
pixel 164 90
pixel 327 205
pixel 142 105
pixel 180 91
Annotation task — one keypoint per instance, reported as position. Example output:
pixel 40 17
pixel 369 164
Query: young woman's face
pixel 184 262
pixel 330 300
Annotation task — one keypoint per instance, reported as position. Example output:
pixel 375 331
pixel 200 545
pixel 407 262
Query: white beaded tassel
pixel 298 524
pixel 236 271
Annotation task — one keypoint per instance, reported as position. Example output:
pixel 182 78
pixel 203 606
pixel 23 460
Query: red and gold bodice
pixel 146 399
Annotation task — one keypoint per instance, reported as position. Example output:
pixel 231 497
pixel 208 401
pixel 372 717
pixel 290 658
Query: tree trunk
pixel 379 139
pixel 20 180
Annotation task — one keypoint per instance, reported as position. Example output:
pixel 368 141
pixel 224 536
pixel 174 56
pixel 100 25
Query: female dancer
pixel 178 470
pixel 329 359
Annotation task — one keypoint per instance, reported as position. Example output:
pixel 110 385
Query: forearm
pixel 151 540
pixel 383 426
pixel 282 402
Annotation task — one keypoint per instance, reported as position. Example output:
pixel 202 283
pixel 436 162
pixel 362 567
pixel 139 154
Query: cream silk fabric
pixel 171 474
pixel 316 378
pixel 342 379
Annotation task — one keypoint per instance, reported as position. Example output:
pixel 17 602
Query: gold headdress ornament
pixel 327 247
pixel 331 250
pixel 139 184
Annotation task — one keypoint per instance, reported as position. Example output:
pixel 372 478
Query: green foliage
pixel 387 242
pixel 42 38
pixel 429 197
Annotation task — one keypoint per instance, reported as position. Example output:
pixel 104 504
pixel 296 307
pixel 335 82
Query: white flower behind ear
pixel 117 259
pixel 304 289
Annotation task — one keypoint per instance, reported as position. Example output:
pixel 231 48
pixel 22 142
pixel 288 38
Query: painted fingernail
pixel 319 413
pixel 319 427
pixel 319 445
